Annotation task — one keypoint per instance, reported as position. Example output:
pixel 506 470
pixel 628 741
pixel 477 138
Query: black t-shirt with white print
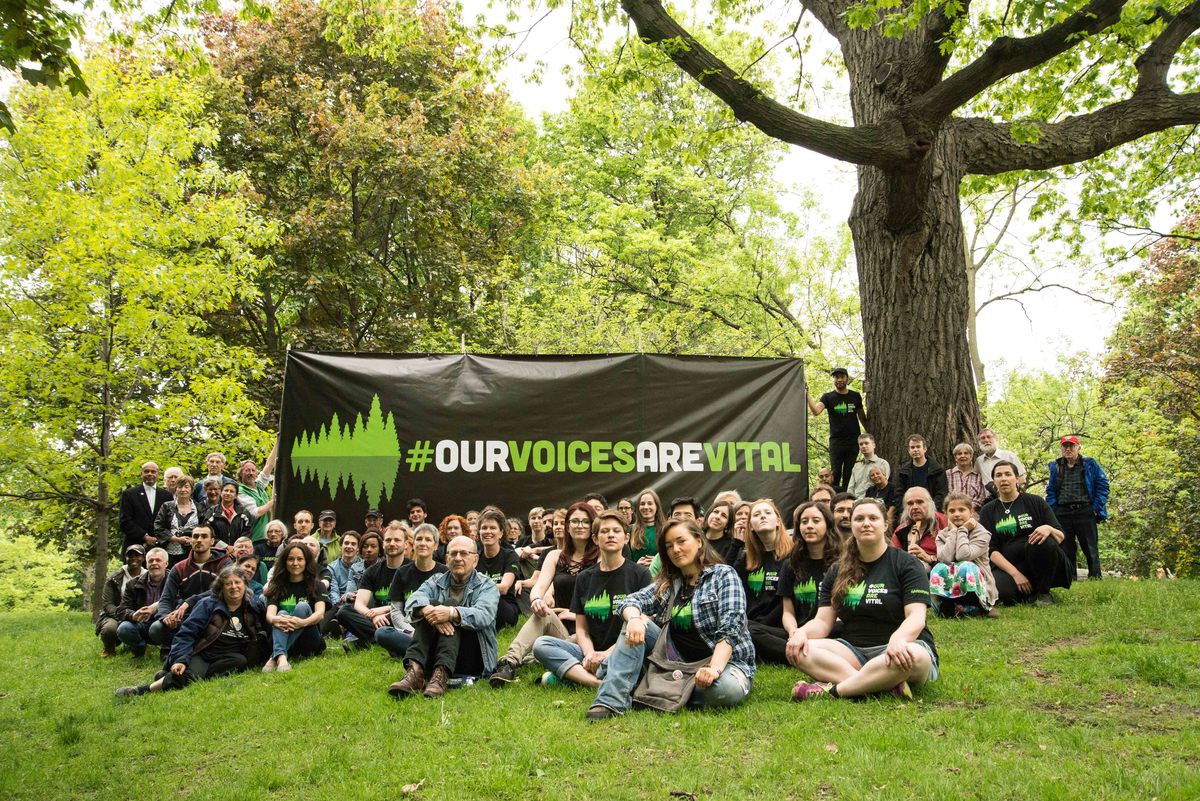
pixel 873 608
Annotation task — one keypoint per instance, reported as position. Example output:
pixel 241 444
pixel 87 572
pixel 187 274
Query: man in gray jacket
pixel 454 625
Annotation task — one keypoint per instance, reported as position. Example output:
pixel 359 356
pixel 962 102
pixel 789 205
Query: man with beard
pixel 990 455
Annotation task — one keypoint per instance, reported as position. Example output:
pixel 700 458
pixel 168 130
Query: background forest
pixel 352 177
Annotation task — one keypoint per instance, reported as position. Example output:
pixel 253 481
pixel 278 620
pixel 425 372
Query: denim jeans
pixel 394 640
pixel 620 672
pixel 305 640
pixel 134 634
pixel 557 655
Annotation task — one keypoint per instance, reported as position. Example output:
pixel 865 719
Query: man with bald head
pixel 138 507
pixel 454 625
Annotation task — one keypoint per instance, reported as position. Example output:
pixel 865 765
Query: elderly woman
pixel 175 520
pixel 697 603
pixel 219 636
pixel 919 525
pixel 963 478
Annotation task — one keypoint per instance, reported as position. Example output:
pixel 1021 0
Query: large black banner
pixel 463 431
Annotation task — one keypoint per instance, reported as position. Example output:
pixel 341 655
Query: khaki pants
pixel 521 650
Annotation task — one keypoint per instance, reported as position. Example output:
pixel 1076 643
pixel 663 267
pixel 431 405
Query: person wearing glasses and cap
pixel 846 411
pixel 1078 494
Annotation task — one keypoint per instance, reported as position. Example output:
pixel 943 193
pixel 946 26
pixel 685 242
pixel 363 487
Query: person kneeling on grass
pixel 696 602
pixel 454 625
pixel 881 595
pixel 598 592
pixel 219 636
pixel 295 608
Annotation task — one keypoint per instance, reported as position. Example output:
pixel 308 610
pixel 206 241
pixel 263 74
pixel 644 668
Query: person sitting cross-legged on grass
pixel 881 595
pixel 454 625
pixel 411 576
pixel 697 602
pixel 550 599
pixel 295 608
pixel 219 636
pixel 598 591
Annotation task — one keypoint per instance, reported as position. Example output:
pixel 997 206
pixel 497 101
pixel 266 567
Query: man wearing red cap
pixel 1078 493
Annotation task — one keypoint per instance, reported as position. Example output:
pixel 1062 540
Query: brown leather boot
pixel 436 687
pixel 412 683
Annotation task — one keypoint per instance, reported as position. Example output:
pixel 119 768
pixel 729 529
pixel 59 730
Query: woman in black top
pixel 881 595
pixel 767 548
pixel 718 528
pixel 815 550
pixel 295 607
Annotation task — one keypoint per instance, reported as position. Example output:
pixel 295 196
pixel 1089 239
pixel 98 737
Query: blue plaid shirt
pixel 718 612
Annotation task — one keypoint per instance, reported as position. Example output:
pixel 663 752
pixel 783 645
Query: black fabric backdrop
pixel 387 404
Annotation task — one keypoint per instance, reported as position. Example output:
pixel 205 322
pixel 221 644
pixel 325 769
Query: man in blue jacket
pixel 1078 493
pixel 454 624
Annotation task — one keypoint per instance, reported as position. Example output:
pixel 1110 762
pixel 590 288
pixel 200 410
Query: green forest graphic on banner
pixel 362 457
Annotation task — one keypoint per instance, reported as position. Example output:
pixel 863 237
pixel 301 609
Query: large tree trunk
pixel 910 249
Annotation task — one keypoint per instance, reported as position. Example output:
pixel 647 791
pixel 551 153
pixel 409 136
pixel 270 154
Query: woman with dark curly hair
pixel 295 608
pixel 219 636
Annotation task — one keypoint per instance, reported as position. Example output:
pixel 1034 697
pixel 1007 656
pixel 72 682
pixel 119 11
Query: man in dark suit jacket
pixel 139 504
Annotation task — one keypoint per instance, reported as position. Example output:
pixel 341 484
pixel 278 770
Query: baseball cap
pixel 1071 438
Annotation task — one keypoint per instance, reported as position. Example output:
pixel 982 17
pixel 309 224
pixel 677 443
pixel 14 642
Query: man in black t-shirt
pixel 846 411
pixel 370 611
pixel 918 471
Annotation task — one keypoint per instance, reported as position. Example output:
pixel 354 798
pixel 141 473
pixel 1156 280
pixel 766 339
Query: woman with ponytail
pixel 881 595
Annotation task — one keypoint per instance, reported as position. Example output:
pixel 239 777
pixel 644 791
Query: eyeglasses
pixel 579 522
pixel 459 554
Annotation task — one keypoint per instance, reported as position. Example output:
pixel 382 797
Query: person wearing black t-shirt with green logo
pixel 1025 543
pixel 550 598
pixel 881 595
pixel 598 590
pixel 811 557
pixel 846 411
pixel 760 567
pixel 412 574
pixel 295 608
pixel 499 563
pixel 370 611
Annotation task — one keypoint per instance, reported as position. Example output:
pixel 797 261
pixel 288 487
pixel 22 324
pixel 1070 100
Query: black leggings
pixel 1043 564
pixel 201 668
pixel 770 643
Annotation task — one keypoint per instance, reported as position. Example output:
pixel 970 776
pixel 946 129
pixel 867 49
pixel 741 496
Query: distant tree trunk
pixel 100 571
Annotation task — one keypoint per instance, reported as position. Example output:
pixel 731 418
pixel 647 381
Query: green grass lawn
pixel 1095 698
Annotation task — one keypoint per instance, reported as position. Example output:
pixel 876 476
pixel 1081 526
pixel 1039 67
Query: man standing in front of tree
pixel 1078 494
pixel 846 411
pixel 138 507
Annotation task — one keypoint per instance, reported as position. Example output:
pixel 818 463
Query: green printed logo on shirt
pixel 381 594
pixel 598 606
pixel 844 408
pixel 1007 526
pixel 805 592
pixel 854 595
pixel 755 580
pixel 681 616
pixel 289 604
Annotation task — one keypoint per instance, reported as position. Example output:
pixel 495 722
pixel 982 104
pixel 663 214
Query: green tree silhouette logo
pixel 805 591
pixel 362 458
pixel 855 594
pixel 598 606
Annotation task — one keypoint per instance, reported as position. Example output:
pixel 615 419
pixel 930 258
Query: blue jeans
pixel 394 640
pixel 620 672
pixel 133 634
pixel 300 640
pixel 557 655
pixel 619 676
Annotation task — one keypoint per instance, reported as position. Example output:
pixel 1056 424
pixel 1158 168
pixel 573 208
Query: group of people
pixel 642 602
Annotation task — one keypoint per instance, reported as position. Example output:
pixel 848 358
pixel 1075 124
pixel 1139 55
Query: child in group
pixel 961 582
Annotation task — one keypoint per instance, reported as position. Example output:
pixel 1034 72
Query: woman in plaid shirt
pixel 697 602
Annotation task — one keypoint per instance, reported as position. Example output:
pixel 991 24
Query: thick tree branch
pixel 831 14
pixel 990 148
pixel 874 145
pixel 937 26
pixel 1155 62
pixel 1005 57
